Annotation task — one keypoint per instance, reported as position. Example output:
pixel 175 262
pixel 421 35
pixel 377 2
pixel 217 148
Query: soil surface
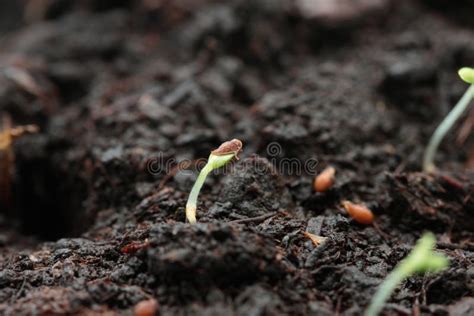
pixel 124 90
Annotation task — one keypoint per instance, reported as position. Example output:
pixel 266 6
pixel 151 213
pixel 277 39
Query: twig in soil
pixel 20 290
pixel 256 219
pixel 337 312
pixel 423 292
pixel 400 168
pixel 416 308
pixel 454 183
pixel 218 158
pixel 421 259
pixel 466 74
pixel 465 129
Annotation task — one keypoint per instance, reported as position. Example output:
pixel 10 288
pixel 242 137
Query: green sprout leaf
pixel 421 259
pixel 467 74
pixel 218 158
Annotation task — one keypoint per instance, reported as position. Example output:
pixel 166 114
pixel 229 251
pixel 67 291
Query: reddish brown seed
pixel 146 308
pixel 325 180
pixel 230 147
pixel 134 246
pixel 360 213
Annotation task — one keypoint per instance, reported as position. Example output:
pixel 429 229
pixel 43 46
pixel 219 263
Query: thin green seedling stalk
pixel 428 159
pixel 193 196
pixel 383 294
pixel 191 205
pixel 218 158
pixel 421 259
pixel 444 127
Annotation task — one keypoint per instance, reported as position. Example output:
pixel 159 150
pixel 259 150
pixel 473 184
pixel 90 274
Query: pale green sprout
pixel 218 158
pixel 420 260
pixel 466 74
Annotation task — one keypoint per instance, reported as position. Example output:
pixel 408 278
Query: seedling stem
pixel 218 158
pixel 466 74
pixel 421 259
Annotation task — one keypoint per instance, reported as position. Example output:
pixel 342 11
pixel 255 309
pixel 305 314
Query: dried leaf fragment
pixel 317 240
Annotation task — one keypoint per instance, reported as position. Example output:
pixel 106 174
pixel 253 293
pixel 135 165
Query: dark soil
pixel 119 89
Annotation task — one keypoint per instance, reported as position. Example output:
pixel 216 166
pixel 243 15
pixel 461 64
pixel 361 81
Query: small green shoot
pixel 466 74
pixel 218 158
pixel 421 259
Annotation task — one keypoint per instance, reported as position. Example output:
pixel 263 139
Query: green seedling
pixel 466 74
pixel 218 158
pixel 420 260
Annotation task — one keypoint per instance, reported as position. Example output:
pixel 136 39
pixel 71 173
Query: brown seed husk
pixel 230 147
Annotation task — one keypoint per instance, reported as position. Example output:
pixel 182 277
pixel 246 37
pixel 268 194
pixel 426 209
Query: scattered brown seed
pixel 359 213
pixel 325 180
pixel 317 240
pixel 135 246
pixel 146 308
